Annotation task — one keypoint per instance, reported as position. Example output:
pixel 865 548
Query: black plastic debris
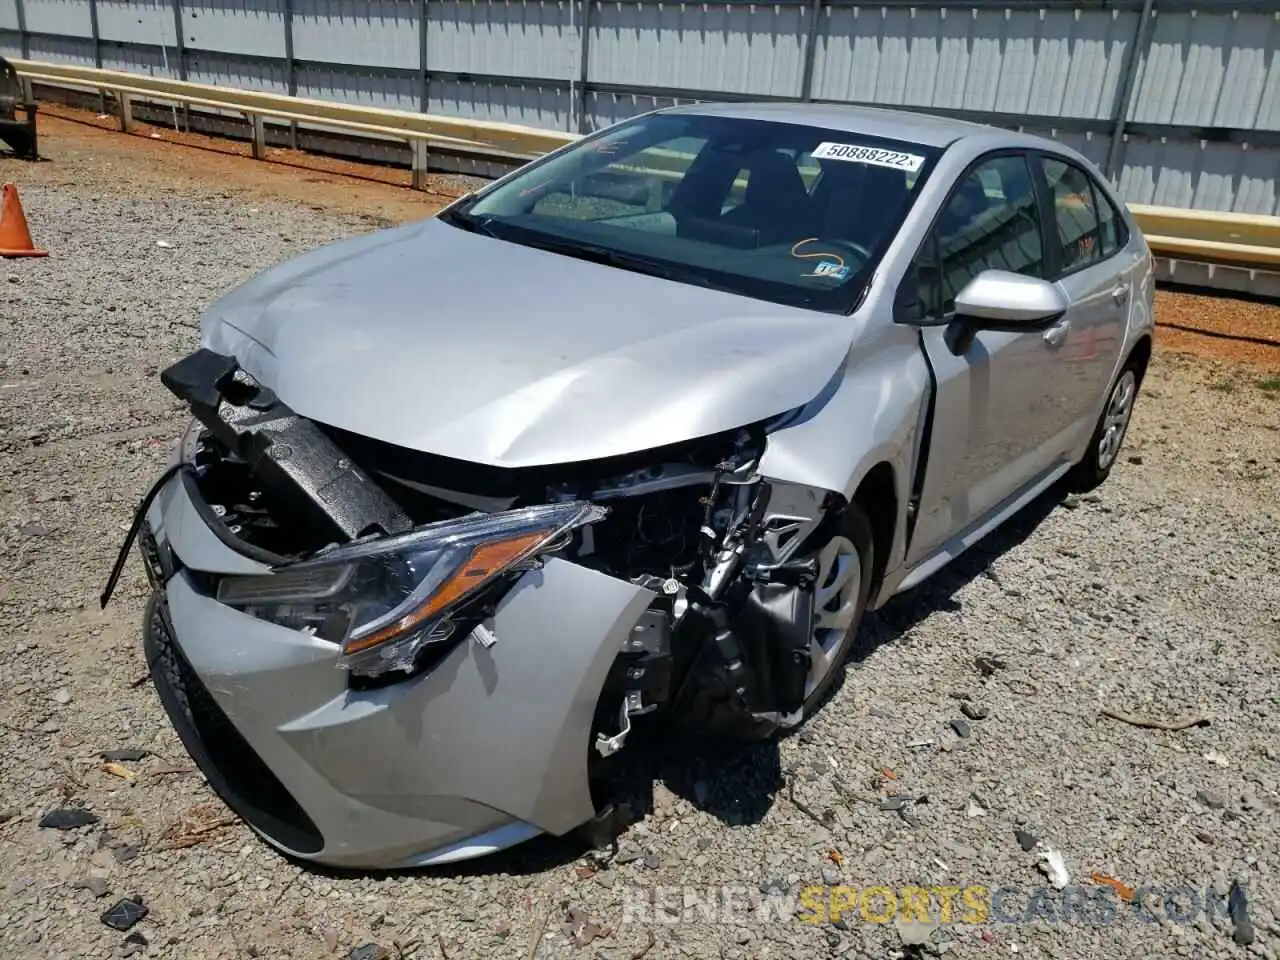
pixel 123 914
pixel 1026 841
pixel 1238 910
pixel 127 755
pixel 987 665
pixel 68 818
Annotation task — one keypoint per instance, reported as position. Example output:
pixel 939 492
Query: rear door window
pixel 1078 231
pixel 1112 233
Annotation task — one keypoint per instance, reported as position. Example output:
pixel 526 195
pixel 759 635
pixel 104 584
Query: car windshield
pixel 777 211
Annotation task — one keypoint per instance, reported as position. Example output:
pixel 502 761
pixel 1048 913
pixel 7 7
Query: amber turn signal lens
pixel 486 561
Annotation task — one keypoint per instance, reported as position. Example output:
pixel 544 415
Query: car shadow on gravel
pixel 937 594
pixel 735 783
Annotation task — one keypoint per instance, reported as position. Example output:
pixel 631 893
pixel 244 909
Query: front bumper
pixel 485 750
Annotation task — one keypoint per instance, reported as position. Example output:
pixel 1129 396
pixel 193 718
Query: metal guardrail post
pixel 96 31
pixel 584 59
pixel 24 40
pixel 424 80
pixel 810 50
pixel 180 49
pixel 291 67
pixel 1124 96
pixel 421 154
pixel 258 127
pixel 126 110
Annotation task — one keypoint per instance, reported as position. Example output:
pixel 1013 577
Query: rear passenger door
pixel 1088 257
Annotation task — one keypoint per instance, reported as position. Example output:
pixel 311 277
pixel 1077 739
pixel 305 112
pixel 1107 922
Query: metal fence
pixel 1178 102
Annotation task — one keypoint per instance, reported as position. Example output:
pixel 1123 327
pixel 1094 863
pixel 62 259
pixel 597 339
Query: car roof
pixel 926 129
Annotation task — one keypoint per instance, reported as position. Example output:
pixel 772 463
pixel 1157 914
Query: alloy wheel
pixel 1116 419
pixel 835 606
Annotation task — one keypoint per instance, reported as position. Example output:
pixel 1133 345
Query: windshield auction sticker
pixel 856 153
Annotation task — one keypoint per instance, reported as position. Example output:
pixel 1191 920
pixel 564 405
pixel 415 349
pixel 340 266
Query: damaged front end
pixel 396 557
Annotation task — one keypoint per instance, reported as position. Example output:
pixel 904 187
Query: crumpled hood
pixel 465 346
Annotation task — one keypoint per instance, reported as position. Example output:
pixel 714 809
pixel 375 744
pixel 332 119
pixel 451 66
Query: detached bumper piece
pixel 300 468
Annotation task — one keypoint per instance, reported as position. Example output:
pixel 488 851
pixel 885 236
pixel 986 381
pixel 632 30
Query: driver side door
pixel 996 424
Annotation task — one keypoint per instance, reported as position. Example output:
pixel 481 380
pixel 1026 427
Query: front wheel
pixel 845 565
pixel 1108 435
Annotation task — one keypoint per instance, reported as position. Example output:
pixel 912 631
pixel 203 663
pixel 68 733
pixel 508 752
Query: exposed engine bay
pixel 723 650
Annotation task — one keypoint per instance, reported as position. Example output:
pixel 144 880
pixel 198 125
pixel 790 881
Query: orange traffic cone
pixel 15 237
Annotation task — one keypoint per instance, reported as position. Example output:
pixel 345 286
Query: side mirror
pixel 1000 300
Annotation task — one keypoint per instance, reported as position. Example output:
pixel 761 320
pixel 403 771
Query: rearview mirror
pixel 1001 300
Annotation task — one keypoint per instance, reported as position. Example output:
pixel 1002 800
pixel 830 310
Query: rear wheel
pixel 1108 435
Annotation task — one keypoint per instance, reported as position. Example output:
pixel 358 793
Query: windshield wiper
pixel 582 251
pixel 622 260
pixel 467 222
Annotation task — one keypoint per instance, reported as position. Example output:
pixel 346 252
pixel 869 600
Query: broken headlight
pixel 385 600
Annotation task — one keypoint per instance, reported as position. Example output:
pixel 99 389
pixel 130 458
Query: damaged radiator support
pixel 736 661
pixel 298 465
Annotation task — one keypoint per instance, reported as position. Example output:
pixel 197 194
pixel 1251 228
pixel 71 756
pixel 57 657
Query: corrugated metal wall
pixel 1180 106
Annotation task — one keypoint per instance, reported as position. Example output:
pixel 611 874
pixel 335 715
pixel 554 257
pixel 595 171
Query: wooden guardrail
pixel 1246 240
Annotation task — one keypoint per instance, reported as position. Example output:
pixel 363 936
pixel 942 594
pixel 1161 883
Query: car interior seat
pixel 775 202
pixel 858 202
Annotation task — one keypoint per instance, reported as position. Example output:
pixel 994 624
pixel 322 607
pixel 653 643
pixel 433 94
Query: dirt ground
pixel 970 717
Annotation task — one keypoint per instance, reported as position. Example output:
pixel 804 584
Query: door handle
pixel 1056 335
pixel 1120 294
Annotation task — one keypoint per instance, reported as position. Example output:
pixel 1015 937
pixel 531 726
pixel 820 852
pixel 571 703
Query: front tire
pixel 1109 433
pixel 846 562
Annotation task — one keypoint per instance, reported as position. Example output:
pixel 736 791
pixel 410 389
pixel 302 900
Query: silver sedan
pixel 640 430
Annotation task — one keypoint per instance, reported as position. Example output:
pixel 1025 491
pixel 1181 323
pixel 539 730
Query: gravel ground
pixel 1159 596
